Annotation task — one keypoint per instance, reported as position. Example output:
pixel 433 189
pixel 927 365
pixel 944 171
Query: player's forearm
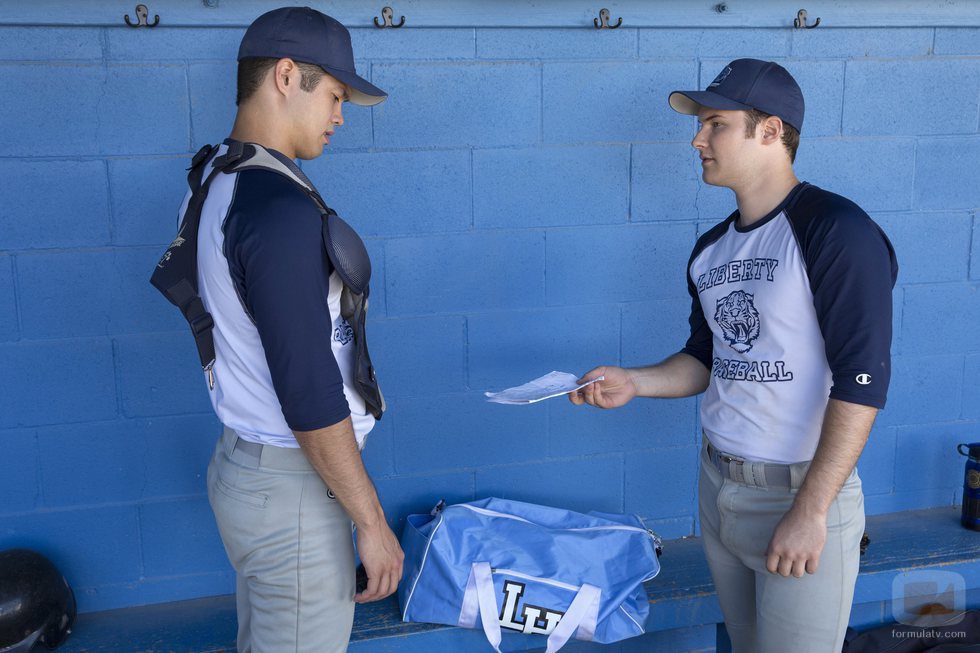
pixel 845 431
pixel 334 454
pixel 680 375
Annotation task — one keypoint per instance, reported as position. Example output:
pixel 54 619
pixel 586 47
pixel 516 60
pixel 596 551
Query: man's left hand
pixel 796 544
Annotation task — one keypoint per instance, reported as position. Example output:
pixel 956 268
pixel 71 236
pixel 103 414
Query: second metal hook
pixel 800 21
pixel 388 15
pixel 604 18
pixel 141 18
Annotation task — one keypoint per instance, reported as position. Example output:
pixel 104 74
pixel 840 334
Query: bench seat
pixel 682 602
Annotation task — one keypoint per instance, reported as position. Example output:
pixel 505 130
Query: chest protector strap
pixel 176 274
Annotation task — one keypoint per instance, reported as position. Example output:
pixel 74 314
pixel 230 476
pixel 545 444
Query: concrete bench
pixel 684 611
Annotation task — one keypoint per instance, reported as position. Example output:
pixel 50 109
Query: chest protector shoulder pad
pixel 176 274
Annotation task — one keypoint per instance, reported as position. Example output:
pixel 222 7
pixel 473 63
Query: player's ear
pixel 772 129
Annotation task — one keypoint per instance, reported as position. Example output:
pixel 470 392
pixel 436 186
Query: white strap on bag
pixel 480 600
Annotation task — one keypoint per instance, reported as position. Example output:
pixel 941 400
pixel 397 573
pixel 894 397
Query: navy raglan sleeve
pixel 700 342
pixel 852 270
pixel 278 263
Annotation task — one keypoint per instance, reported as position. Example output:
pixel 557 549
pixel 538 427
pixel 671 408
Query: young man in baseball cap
pixel 790 337
pixel 286 480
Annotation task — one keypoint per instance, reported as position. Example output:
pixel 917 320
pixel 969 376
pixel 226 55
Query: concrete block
pixel 926 456
pixel 95 292
pixel 937 315
pixel 183 44
pixel 957 40
pixel 146 197
pixel 387 193
pixel 19 479
pixel 408 44
pixel 666 186
pixel 412 495
pixel 177 452
pixel 975 250
pixel 160 374
pixel 946 174
pixel 74 378
pixel 213 89
pixel 507 43
pixel 823 90
pixel 419 355
pixel 652 331
pixel 585 185
pixel 725 43
pixel 379 452
pixel 378 299
pixel 842 166
pixel 971 388
pixel 47 43
pixel 65 294
pixel 36 120
pixel 897 97
pixel 924 390
pixel 9 330
pixel 180 537
pixel 479 271
pixel 661 482
pixel 614 102
pixel 877 463
pixel 618 264
pixel 508 348
pixel 943 256
pixel 73 456
pixel 642 424
pixel 449 432
pixel 91 547
pixel 512 117
pixel 143 110
pixel 582 484
pixel 137 306
pixel 53 204
pixel 849 42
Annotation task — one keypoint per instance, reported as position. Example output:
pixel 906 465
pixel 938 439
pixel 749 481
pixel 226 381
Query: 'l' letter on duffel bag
pixel 528 568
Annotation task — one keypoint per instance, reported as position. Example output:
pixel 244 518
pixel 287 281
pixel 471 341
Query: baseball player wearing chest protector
pixel 790 335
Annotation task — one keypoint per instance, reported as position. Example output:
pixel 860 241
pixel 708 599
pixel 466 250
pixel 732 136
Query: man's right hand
pixel 615 390
pixel 382 558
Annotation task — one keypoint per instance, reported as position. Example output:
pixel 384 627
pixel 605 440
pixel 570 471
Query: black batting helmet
pixel 36 602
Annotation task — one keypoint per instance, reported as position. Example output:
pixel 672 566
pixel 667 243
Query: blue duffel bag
pixel 528 568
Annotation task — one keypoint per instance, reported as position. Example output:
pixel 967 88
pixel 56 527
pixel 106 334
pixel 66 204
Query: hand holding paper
pixel 550 385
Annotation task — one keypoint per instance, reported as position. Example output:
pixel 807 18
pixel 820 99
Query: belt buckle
pixel 725 458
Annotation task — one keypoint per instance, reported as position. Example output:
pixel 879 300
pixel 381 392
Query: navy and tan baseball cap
pixel 306 35
pixel 747 84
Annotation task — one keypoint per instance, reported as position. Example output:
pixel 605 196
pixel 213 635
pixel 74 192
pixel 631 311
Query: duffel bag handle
pixel 480 598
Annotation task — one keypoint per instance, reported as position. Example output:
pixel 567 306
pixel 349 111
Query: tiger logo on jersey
pixel 738 319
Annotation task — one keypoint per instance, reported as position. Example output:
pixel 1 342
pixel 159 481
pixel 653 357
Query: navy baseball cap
pixel 306 35
pixel 747 84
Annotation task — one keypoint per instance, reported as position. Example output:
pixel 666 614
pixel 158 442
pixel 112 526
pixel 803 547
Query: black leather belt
pixel 749 472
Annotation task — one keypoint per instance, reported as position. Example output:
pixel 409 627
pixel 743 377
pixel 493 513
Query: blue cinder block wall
pixel 529 201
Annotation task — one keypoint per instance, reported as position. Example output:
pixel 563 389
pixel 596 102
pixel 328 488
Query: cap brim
pixel 690 102
pixel 362 92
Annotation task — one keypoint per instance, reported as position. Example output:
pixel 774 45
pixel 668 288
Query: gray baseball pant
pixel 290 543
pixel 765 612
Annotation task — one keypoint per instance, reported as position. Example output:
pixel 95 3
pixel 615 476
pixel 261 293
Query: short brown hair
pixel 790 138
pixel 252 71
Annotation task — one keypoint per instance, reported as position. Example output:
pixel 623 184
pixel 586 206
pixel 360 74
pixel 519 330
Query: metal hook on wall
pixel 141 15
pixel 387 15
pixel 800 21
pixel 604 18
